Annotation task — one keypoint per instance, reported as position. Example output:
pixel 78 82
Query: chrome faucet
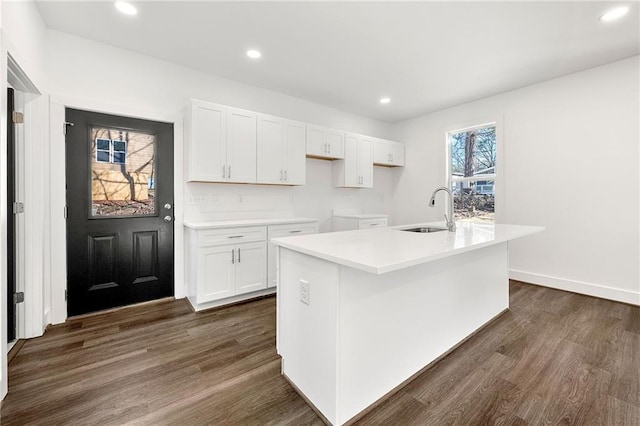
pixel 451 223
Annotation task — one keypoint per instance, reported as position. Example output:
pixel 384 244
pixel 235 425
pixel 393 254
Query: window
pixel 111 151
pixel 472 172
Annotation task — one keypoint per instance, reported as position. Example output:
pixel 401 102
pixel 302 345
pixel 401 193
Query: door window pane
pixel 122 173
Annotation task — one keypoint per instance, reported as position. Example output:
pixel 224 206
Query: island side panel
pixel 393 325
pixel 307 332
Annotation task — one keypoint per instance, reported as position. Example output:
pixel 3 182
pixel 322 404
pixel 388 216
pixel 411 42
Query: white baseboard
pixel 590 289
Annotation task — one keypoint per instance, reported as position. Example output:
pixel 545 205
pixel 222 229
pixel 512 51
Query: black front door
pixel 119 211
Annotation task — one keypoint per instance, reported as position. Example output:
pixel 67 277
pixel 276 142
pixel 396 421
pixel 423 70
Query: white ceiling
pixel 424 55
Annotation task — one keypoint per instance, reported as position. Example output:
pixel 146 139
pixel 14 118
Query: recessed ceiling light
pixel 614 14
pixel 126 8
pixel 385 100
pixel 254 54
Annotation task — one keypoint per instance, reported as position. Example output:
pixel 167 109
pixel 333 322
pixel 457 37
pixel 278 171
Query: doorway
pixel 119 198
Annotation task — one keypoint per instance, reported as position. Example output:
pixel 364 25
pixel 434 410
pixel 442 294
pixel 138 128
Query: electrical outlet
pixel 305 292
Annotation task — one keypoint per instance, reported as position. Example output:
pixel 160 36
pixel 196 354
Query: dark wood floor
pixel 555 358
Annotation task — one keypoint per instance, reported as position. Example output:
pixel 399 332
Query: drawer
pixel 372 223
pixel 216 237
pixel 290 230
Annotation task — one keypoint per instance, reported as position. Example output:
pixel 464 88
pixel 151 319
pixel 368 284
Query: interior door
pixel 119 174
pixel 11 219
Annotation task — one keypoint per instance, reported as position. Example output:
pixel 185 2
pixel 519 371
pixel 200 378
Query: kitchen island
pixel 362 312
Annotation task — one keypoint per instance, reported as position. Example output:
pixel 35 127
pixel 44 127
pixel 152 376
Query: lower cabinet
pixel 227 265
pixel 349 223
pixel 278 231
pixel 229 270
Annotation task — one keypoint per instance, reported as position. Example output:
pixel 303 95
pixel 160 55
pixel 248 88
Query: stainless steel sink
pixel 424 230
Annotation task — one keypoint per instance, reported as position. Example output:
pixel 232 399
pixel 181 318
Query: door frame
pixel 58 104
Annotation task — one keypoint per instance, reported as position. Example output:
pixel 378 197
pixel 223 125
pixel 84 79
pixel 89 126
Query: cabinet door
pixel 295 153
pixel 365 162
pixel 251 267
pixel 241 146
pixel 316 141
pixel 382 152
pixel 335 141
pixel 351 176
pixel 271 149
pixel 215 273
pixel 397 153
pixel 207 143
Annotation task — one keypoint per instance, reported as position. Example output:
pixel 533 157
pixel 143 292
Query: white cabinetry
pixel 356 170
pixel 355 221
pixel 323 142
pixel 281 155
pixel 277 231
pixel 223 263
pixel 388 153
pixel 229 262
pixel 221 144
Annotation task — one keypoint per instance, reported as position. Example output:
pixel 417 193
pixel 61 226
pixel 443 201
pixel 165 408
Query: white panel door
pixel 207 147
pixel 365 162
pixel 351 176
pixel 316 144
pixel 241 146
pixel 251 267
pixel 295 153
pixel 216 273
pixel 271 150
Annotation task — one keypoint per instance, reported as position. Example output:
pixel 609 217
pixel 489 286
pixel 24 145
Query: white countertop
pixel 362 216
pixel 383 250
pixel 248 222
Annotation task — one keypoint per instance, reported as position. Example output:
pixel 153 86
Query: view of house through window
pixel 122 173
pixel 473 172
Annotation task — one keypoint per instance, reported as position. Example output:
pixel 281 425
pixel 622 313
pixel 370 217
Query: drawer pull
pixel 235 236
pixel 375 224
pixel 295 231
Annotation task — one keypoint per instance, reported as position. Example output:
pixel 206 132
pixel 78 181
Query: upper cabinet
pixel 356 170
pixel 231 145
pixel 221 144
pixel 281 151
pixel 323 142
pixel 388 153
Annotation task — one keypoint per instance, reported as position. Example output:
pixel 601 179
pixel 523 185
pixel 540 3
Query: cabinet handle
pixel 392 158
pixel 229 172
pixel 233 256
pixel 238 255
pixel 325 148
pixel 329 145
pixel 280 175
pixel 235 236
pixel 374 224
pixel 286 178
pixel 295 231
pixel 224 172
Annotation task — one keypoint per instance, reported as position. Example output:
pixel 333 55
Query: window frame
pixel 498 175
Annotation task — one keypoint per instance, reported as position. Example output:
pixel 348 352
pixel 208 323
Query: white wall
pixel 571 160
pixel 74 68
pixel 96 76
pixel 22 37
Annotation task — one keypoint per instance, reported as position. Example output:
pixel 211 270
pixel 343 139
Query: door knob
pixel 167 218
